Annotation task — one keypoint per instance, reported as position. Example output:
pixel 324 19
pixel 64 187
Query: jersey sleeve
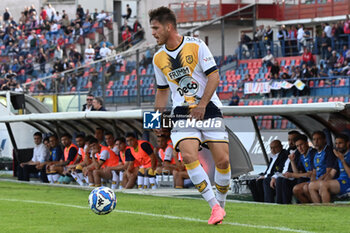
pixel 161 80
pixel 206 60
pixel 104 155
pixel 72 153
pixel 129 156
pixel 168 154
pixel 59 153
pixel 147 148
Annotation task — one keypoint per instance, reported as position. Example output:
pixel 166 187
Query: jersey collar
pixel 172 50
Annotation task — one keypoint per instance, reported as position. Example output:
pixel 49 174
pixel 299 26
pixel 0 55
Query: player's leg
pixel 131 178
pixel 327 188
pixel 217 141
pixel 198 176
pixel 314 191
pixel 115 179
pixel 141 178
pixel 104 173
pixel 298 192
pixel 56 172
pixel 151 175
pixel 121 177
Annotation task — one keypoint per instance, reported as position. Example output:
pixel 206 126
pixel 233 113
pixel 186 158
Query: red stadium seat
pixel 290 101
pixel 341 99
pixel 310 100
pixel 320 100
pixel 300 101
pixel 330 99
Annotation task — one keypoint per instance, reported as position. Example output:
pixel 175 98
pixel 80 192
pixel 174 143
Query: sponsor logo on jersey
pixel 208 59
pixel 180 72
pixel 188 86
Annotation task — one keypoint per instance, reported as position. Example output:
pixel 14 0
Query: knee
pixel 323 186
pixel 297 190
pixel 313 186
pixel 223 163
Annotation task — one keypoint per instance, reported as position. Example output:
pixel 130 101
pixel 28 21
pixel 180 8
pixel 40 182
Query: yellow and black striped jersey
pixel 185 70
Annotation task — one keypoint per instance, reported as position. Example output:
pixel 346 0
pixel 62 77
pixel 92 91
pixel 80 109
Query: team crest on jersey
pixel 189 59
pixel 306 164
pixel 343 181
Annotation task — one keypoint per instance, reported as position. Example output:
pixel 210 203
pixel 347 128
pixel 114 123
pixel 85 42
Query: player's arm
pixel 313 175
pixel 146 146
pixel 161 99
pixel 163 91
pixel 129 161
pixel 340 156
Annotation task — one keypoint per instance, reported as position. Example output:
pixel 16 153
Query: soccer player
pixel 118 171
pixel 56 156
pixel 186 66
pixel 70 154
pixel 341 185
pixel 109 139
pixel 302 169
pixel 324 161
pixel 142 151
pixel 99 134
pixel 40 155
pixel 99 155
pixel 76 170
pixel 165 154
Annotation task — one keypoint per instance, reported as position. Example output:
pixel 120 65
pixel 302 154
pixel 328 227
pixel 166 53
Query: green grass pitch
pixel 39 208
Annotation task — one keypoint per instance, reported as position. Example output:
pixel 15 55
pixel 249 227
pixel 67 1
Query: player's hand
pixel 157 132
pixel 338 154
pixel 197 112
pixel 273 183
pixel 39 166
pixel 260 177
pixel 291 157
pixel 288 175
pixel 22 164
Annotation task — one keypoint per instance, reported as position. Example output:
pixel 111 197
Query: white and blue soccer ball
pixel 102 200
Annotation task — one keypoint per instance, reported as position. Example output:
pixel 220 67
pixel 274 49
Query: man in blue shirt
pixel 324 162
pixel 302 166
pixel 341 185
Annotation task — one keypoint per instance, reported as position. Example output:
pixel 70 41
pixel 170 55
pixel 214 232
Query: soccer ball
pixel 102 200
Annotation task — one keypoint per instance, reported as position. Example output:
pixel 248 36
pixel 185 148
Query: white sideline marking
pixel 162 216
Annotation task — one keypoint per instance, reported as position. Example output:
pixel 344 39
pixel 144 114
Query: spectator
pixel 58 53
pixel 88 105
pixel 332 60
pixel 275 70
pixel 268 60
pixel 282 36
pixel 97 103
pixel 261 189
pixel 307 58
pixel 325 43
pixel 89 54
pixel 40 155
pixel 327 29
pixel 42 60
pixel 138 32
pixel 101 16
pixel 268 36
pixel 80 11
pixel 6 16
pixel 126 35
pixel 235 99
pixel 104 51
pixel 300 37
pixel 128 12
pixel 245 40
pixel 108 44
pixel 293 47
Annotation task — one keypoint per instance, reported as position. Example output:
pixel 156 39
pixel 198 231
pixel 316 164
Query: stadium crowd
pixel 43 42
pixel 93 160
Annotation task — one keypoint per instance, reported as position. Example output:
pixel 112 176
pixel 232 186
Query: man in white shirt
pixel 40 155
pixel 105 51
pixel 300 36
pixel 327 29
pixel 89 54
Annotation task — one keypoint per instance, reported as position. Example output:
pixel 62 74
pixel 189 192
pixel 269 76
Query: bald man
pixel 261 189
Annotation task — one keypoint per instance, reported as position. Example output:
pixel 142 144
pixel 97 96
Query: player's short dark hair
pixel 88 138
pixel 163 15
pixel 131 134
pixel 80 135
pixel 53 135
pixel 322 134
pixel 38 134
pixel 46 139
pixel 300 137
pixel 293 132
pixel 162 136
pixel 109 133
pixel 66 135
pixel 121 139
pixel 100 129
pixel 93 140
pixel 342 136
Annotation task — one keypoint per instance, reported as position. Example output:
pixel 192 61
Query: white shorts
pixel 210 130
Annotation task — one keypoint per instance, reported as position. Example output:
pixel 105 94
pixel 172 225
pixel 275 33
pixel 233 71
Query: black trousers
pixel 269 193
pixel 256 187
pixel 284 190
pixel 23 173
